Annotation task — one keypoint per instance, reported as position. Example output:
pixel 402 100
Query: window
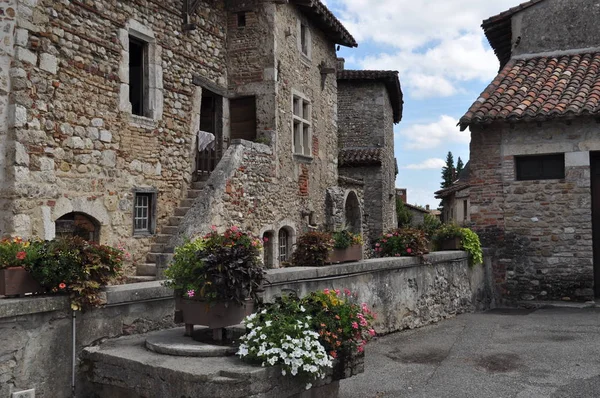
pixel 241 19
pixel 144 213
pixel 301 125
pixel 138 76
pixel 304 40
pixel 465 210
pixel 283 245
pixel 540 167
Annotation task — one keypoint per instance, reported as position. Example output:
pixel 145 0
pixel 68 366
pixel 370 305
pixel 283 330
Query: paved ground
pixel 502 353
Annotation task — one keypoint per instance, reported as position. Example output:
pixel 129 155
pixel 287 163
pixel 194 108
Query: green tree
pixel 459 166
pixel 448 171
pixel 404 215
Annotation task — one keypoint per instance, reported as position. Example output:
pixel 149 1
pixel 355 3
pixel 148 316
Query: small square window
pixel 540 167
pixel 241 19
pixel 144 209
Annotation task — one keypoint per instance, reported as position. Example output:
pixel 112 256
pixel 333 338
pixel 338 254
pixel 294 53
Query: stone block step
pixel 187 202
pixel 193 193
pixel 157 248
pixel 198 184
pixel 146 269
pixel 181 211
pixel 175 220
pixel 152 257
pixel 168 230
pixel 163 238
pixel 139 279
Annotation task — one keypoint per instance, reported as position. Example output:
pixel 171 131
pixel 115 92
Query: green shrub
pixel 471 244
pixel 404 215
pixel 402 242
pixel 430 225
pixel 344 239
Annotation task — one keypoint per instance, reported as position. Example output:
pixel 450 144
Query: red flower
pixel 409 250
pixel 62 285
pixel 21 255
pixel 333 354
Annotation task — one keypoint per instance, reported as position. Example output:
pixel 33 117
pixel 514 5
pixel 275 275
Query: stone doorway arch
pixel 352 213
pixel 78 224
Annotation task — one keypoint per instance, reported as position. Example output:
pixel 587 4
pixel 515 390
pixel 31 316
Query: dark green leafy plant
pixel 430 225
pixel 312 249
pixel 403 214
pixel 218 267
pixel 447 231
pixel 344 239
pixel 402 242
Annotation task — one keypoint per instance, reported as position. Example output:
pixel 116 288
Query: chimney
pixel 341 62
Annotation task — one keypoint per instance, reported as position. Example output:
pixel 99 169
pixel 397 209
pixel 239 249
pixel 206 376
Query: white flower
pixel 308 385
pixel 263 312
pixel 268 323
pixel 301 309
pixel 283 372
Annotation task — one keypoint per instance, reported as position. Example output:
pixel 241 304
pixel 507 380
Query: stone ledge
pixel 115 295
pixel 286 275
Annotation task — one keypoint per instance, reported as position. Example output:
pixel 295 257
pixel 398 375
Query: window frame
pixel 304 41
pixel 285 256
pixel 542 173
pixel 152 195
pixel 144 93
pixel 303 138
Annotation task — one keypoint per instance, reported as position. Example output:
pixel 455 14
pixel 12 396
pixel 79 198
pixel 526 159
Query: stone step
pixel 198 184
pixel 187 202
pixel 181 211
pixel 163 238
pixel 146 269
pixel 139 279
pixel 193 193
pixel 168 230
pixel 175 220
pixel 157 248
pixel 152 257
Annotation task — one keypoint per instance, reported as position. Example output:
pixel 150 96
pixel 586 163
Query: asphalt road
pixel 551 352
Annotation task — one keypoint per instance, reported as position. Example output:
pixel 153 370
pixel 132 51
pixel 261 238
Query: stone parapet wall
pixel 37 338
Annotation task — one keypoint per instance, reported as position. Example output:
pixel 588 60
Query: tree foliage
pixel 448 171
pixel 404 215
pixel 459 166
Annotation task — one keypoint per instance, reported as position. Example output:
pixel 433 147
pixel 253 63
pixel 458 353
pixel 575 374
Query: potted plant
pixel 448 237
pixel 78 268
pixel 216 280
pixel 312 249
pixel 15 254
pixel 402 242
pixel 346 247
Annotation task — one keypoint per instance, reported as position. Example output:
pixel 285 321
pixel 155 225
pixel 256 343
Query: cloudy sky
pixel 444 61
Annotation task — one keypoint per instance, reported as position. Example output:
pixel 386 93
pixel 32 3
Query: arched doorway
pixel 352 213
pixel 268 240
pixel 78 224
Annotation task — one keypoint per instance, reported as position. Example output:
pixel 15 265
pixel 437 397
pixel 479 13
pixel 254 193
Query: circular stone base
pixel 173 342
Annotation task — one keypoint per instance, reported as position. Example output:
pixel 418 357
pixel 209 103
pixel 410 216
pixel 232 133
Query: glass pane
pixel 296 107
pixel 306 110
pixel 297 137
pixel 306 139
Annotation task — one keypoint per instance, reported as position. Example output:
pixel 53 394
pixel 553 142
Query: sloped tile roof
pixel 498 30
pixel 388 77
pixel 442 193
pixel 539 89
pixel 327 21
pixel 359 157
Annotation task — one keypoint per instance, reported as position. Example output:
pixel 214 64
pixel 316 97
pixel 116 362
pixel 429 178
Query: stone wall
pixel 78 146
pixel 541 230
pixel 37 331
pixel 573 26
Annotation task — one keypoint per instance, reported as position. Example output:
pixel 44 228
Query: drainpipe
pixel 74 355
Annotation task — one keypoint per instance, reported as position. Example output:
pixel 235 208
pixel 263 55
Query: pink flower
pixel 363 322
pixel 409 250
pixel 347 292
pixel 213 227
pixel 191 293
pixel 326 291
pixel 21 255
pixel 377 245
pixel 235 229
pixel 354 325
pixel 361 348
pixel 265 239
pixel 372 332
pixel 364 307
pixel 337 292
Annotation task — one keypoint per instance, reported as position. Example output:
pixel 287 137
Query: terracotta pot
pixel 16 281
pixel 451 244
pixel 213 315
pixel 352 253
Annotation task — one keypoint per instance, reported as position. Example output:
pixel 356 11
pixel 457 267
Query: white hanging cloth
pixel 206 140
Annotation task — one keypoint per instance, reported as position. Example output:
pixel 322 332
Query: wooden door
pixel 595 172
pixel 243 118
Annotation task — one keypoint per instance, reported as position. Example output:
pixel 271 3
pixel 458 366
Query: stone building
pixel 456 203
pixel 369 104
pixel 535 151
pixel 141 122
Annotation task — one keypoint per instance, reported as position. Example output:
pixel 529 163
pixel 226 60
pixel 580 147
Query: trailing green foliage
pixel 471 244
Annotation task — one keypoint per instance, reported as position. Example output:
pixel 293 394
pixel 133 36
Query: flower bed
pixel 304 336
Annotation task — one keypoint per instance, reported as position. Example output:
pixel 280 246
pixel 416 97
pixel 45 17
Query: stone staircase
pixel 147 271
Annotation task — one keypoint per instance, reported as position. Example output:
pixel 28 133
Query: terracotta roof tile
pixel 360 157
pixel 540 88
pixel 327 21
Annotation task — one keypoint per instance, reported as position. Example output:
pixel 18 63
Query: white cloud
pixel 435 44
pixel 428 164
pixel 433 135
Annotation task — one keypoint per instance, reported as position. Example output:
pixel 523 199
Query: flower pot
pixel 451 244
pixel 16 281
pixel 351 253
pixel 213 315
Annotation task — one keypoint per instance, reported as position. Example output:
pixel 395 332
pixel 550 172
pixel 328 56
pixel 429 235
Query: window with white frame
pixel 301 125
pixel 284 238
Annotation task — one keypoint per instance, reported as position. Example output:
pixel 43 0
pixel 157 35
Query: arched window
pixel 284 244
pixel 78 224
pixel 353 214
pixel 268 238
